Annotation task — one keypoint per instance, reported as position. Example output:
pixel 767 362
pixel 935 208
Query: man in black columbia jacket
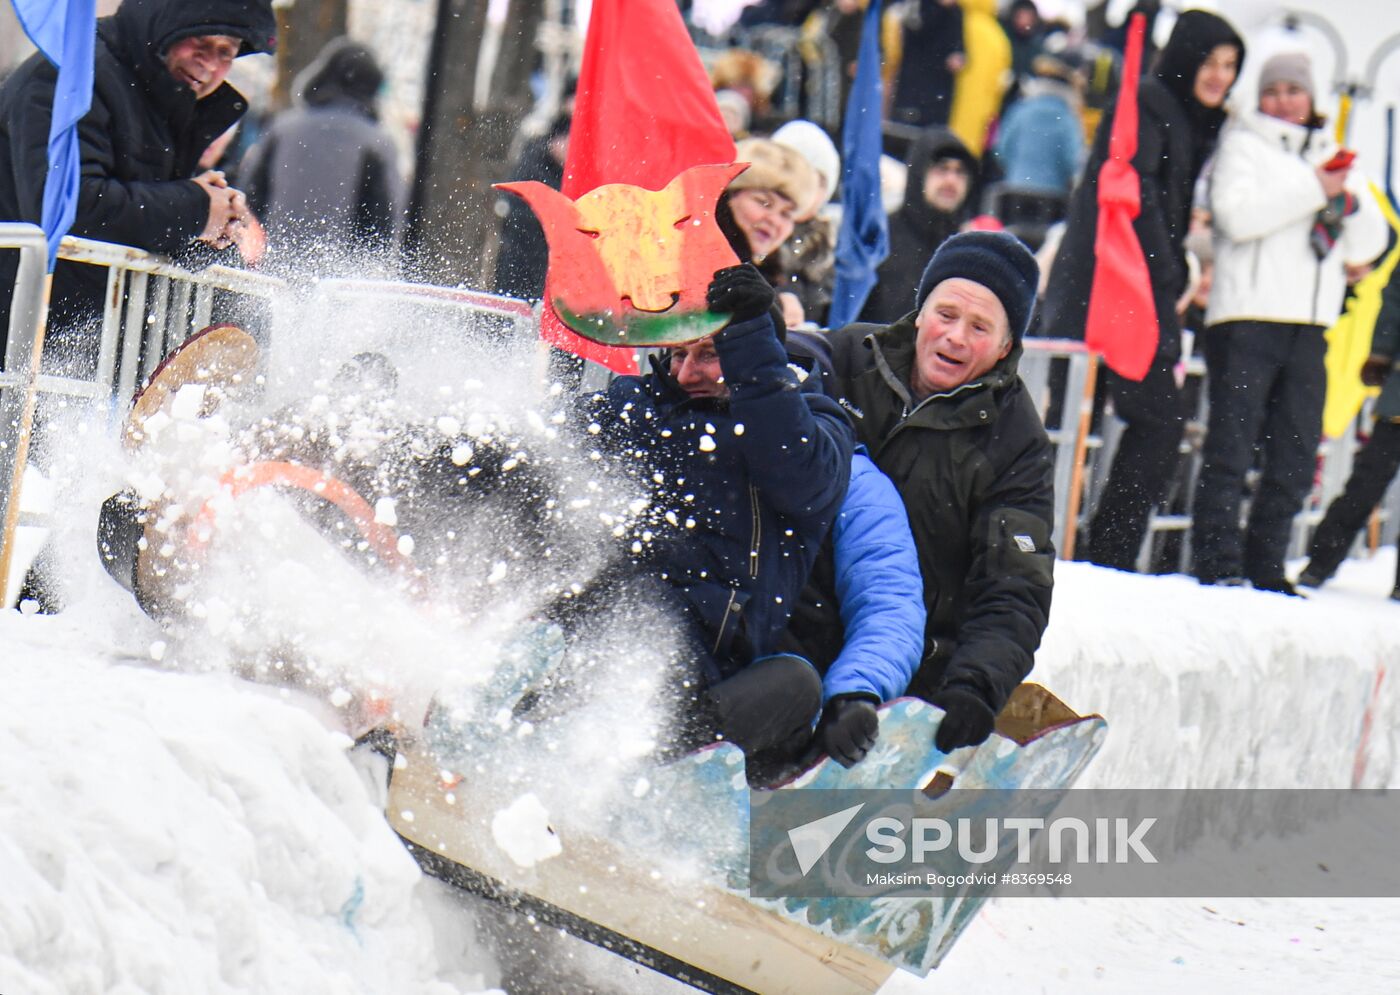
pixel 936 399
pixel 159 99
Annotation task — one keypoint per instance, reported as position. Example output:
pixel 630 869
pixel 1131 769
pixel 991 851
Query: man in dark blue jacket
pixel 747 463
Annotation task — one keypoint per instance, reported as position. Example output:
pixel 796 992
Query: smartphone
pixel 1341 160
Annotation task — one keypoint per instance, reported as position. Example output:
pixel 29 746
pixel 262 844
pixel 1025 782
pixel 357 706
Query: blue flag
pixel 64 30
pixel 864 241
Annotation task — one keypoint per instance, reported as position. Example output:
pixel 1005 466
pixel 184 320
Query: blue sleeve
pixel 796 441
pixel 879 588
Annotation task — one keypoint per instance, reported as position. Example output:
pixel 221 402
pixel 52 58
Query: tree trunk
pixel 465 138
pixel 303 29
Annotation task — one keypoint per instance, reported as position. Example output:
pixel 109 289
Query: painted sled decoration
pixel 630 266
pixel 702 925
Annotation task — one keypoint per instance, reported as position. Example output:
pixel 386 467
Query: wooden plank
pixel 716 932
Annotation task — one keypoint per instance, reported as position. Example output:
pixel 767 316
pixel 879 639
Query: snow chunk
pixel 405 545
pixel 385 512
pixel 185 405
pixel 707 444
pixel 522 831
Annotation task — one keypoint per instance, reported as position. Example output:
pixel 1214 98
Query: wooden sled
pixel 709 933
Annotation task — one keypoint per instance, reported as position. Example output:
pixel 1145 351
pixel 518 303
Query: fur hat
pixel 1288 67
pixel 775 167
pixel 997 261
pixel 813 143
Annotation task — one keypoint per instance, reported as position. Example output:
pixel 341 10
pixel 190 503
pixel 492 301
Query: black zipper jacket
pixel 976 472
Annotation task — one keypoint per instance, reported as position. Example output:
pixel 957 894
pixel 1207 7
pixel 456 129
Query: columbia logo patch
pixel 1025 543
pixel 850 407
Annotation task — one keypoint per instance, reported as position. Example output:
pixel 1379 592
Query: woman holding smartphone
pixel 1290 216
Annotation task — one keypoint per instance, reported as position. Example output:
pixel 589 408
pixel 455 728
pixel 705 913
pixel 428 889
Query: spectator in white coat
pixel 1286 229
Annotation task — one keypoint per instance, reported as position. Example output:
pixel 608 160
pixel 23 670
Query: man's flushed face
pixel 696 368
pixel 202 63
pixel 946 183
pixel 963 332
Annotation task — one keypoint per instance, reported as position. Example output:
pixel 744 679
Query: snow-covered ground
pixel 181 832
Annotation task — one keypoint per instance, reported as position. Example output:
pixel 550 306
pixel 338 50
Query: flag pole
pixel 29 382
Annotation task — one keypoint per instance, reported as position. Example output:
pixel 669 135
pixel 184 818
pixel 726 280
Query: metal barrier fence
pixel 26 312
pixel 152 305
pixel 1071 438
pixel 1085 450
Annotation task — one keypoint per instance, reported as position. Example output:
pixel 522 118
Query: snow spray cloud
pixel 388 519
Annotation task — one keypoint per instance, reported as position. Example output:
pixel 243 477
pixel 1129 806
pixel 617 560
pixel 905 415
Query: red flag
pixel 1122 321
pixel 644 112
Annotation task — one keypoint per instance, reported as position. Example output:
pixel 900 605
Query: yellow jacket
pixel 981 84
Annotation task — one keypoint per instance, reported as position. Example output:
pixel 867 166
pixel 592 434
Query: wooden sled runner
pixel 709 932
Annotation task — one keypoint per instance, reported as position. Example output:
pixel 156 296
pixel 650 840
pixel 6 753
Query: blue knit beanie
pixel 996 260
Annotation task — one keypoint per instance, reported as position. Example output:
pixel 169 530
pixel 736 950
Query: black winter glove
pixel 849 728
pixel 967 719
pixel 741 291
pixel 1375 370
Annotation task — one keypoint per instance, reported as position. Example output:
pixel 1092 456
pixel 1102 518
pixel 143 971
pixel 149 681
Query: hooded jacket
pixel 918 228
pixel 325 175
pixel 139 143
pixel 976 472
pixel 743 491
pixel 1264 197
pixel 1176 134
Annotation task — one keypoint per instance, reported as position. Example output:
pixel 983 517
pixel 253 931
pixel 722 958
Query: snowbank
pixel 164 832
pixel 178 833
pixel 1209 687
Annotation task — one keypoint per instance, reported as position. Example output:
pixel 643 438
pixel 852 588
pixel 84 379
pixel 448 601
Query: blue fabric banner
pixel 64 30
pixel 864 241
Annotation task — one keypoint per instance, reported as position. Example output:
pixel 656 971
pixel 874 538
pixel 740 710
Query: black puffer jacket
pixel 976 473
pixel 917 228
pixel 140 142
pixel 1176 135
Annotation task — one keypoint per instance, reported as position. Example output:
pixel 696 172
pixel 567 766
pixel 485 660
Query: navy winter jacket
pixel 879 589
pixel 743 490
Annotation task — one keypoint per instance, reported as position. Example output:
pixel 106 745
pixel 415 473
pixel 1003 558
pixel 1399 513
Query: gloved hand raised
pixel 849 728
pixel 741 291
pixel 967 719
pixel 1375 370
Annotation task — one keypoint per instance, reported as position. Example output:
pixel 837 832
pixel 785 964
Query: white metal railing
pixel 1072 438
pixel 152 305
pixel 26 312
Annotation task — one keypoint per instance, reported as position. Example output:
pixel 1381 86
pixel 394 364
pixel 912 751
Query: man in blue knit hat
pixel 936 399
